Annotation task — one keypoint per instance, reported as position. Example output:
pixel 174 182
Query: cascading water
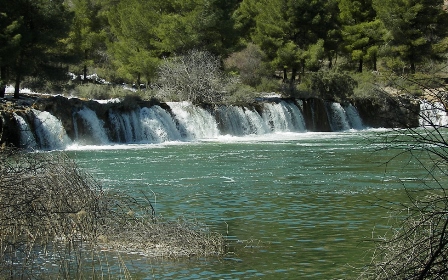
pixel 283 117
pixel 94 126
pixel 158 126
pixel 127 126
pixel 50 133
pixel 182 122
pixel 353 117
pixel 27 139
pixel 337 116
pixel 240 121
pixel 433 114
pixel 195 122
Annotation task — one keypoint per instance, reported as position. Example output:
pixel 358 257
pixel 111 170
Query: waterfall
pixel 433 114
pixel 127 126
pixel 353 117
pixel 240 121
pixel 158 125
pixel 256 121
pixel 95 126
pixel 337 116
pixel 50 133
pixel 283 117
pixel 27 139
pixel 184 121
pixel 194 122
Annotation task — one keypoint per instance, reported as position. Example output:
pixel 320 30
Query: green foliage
pixel 289 32
pixel 362 32
pixel 87 37
pixel 332 85
pixel 268 84
pixel 415 28
pixel 134 49
pixel 33 31
pixel 249 64
pixel 239 94
pixel 127 40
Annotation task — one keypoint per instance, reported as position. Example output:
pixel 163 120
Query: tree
pixel 9 40
pixel 135 46
pixel 249 64
pixel 362 32
pixel 37 28
pixel 194 24
pixel 245 19
pixel 87 36
pixel 415 28
pixel 286 30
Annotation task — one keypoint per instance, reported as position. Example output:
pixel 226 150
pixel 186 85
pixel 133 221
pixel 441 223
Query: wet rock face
pixel 389 112
pixel 315 115
pixel 9 130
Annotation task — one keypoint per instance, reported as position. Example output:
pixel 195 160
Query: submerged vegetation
pixel 57 220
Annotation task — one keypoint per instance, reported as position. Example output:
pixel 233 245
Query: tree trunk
pixel 374 63
pixel 84 73
pixel 285 74
pixel 360 65
pixel 138 80
pixel 412 67
pixel 293 75
pixel 17 86
pixel 2 81
pixel 18 79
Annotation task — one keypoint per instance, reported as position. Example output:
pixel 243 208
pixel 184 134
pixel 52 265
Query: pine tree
pixel 415 28
pixel 36 28
pixel 135 47
pixel 362 33
pixel 87 37
pixel 287 29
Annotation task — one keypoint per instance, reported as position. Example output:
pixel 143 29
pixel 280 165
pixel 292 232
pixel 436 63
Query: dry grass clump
pixel 131 225
pixel 56 221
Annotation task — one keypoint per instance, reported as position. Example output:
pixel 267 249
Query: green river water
pixel 293 205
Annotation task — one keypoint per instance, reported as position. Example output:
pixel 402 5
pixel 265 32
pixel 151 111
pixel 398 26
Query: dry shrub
pixel 417 247
pixel 56 221
pixel 195 77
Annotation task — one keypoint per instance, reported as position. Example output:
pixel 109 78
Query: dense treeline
pixel 127 40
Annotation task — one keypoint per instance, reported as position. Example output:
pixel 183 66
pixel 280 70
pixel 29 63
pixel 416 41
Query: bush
pixel 194 77
pixel 53 213
pixel 249 64
pixel 331 85
pixel 104 92
pixel 240 94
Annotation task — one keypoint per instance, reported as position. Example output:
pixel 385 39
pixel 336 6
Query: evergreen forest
pixel 264 45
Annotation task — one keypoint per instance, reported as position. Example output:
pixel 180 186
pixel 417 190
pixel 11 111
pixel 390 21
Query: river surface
pixel 293 205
